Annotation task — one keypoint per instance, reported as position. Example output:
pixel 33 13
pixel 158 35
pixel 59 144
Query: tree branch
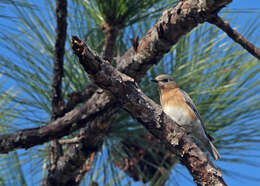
pixel 85 168
pixel 63 126
pixel 237 37
pixel 111 33
pixel 59 49
pixel 173 24
pixel 149 114
pixel 55 149
pixel 78 97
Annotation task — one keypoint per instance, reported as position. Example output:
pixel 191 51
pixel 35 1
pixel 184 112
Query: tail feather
pixel 213 151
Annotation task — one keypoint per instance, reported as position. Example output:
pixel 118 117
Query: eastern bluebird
pixel 178 105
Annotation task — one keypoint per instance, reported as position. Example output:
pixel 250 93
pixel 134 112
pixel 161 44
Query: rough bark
pixel 237 37
pixel 173 24
pixel 149 114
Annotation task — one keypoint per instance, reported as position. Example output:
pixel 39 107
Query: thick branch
pixel 237 37
pixel 174 23
pixel 149 114
pixel 63 126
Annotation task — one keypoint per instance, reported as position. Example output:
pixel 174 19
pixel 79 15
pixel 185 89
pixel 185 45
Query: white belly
pixel 182 117
pixel 178 114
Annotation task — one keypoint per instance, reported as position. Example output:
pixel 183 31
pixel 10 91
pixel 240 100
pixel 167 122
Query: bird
pixel 177 104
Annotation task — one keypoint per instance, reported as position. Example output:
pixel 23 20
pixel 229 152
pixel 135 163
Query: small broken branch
pixel 85 168
pixel 237 37
pixel 135 43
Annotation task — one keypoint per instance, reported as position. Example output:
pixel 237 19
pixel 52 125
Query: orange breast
pixel 174 98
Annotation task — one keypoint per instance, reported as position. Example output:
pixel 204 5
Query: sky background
pixel 244 169
pixel 253 171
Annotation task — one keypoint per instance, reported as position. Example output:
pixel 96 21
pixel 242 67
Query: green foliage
pixel 10 171
pixel 221 77
pixel 124 12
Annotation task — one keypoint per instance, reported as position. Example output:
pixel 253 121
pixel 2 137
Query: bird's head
pixel 165 81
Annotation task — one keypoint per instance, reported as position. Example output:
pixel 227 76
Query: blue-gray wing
pixel 189 102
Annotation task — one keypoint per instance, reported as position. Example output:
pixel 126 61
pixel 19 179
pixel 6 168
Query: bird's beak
pixel 155 81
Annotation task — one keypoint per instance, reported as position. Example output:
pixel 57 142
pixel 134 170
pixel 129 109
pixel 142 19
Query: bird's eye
pixel 165 80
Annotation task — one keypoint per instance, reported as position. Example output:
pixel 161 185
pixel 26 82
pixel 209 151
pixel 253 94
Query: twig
pixel 55 149
pixel 70 141
pixel 237 37
pixel 58 55
pixel 85 168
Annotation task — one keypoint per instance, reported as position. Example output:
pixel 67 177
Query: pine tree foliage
pixel 220 76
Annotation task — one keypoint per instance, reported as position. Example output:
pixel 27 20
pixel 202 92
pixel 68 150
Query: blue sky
pixel 253 171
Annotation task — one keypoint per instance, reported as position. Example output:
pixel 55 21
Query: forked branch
pixel 148 113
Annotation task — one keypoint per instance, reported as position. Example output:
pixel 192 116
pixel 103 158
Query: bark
pixel 149 114
pixel 55 149
pixel 237 37
pixel 58 53
pixel 173 24
pixel 111 33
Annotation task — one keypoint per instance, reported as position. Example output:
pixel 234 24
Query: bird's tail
pixel 213 151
